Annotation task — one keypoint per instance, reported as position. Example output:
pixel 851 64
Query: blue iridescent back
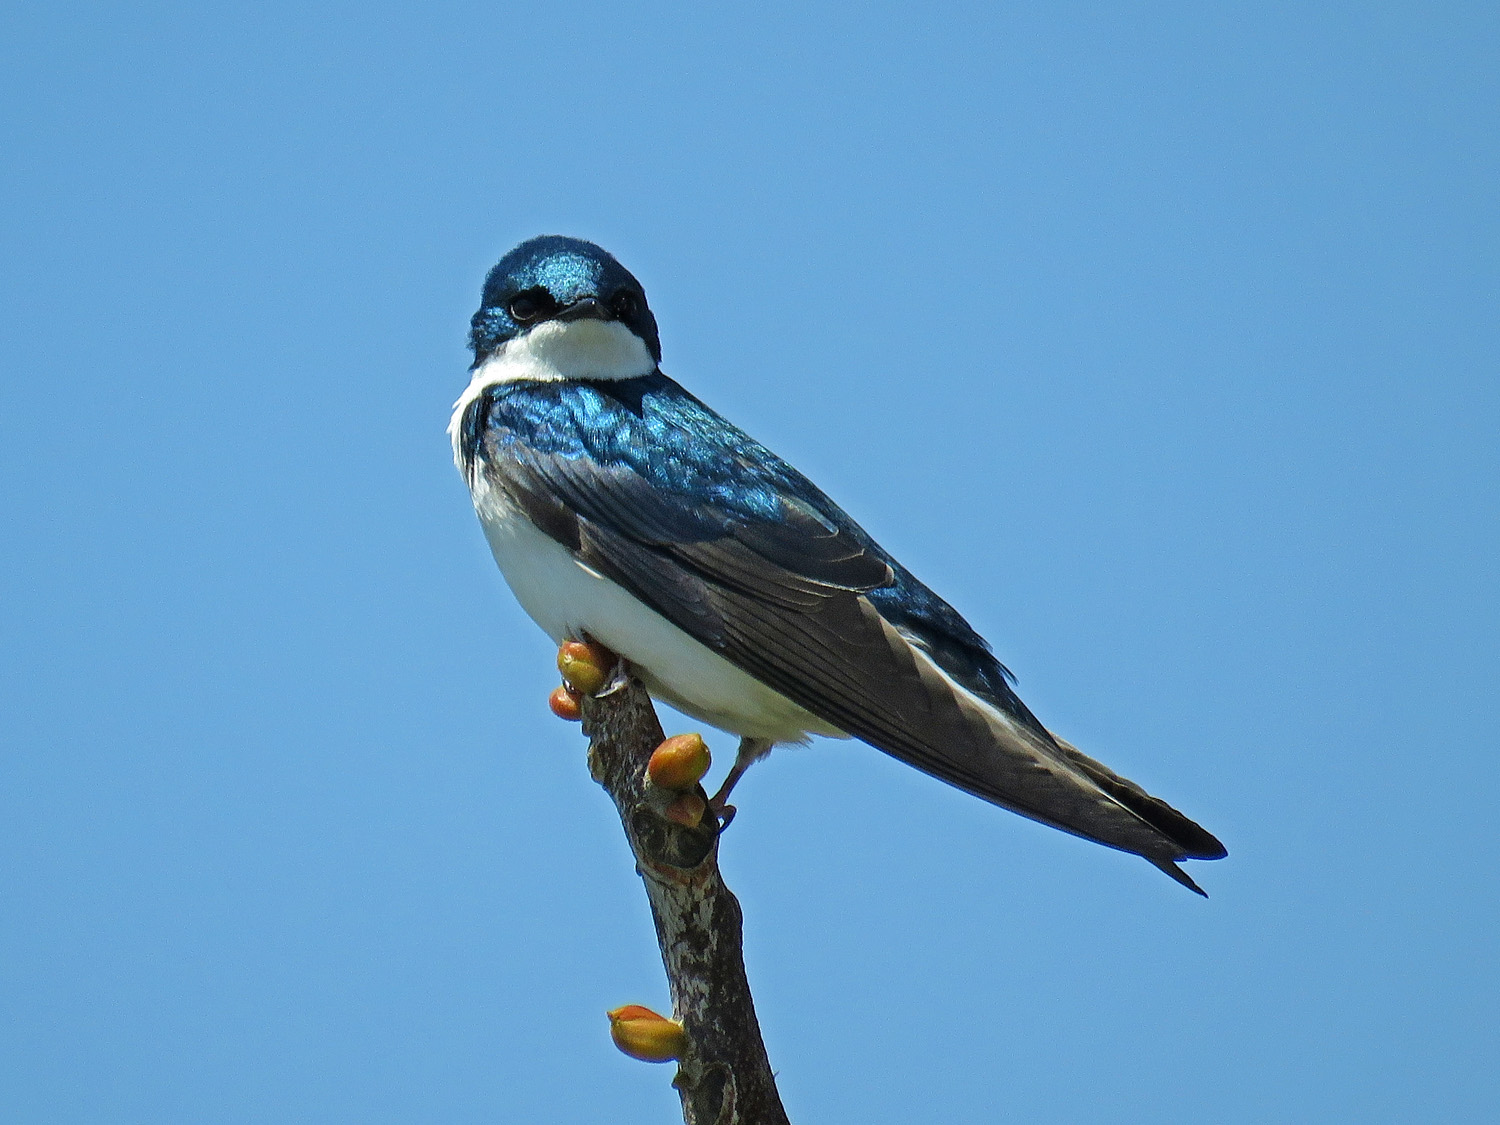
pixel 656 429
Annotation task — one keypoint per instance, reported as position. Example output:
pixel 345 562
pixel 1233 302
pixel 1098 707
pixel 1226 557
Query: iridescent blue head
pixel 548 283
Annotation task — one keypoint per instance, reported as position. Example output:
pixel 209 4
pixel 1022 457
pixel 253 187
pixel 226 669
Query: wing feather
pixel 782 595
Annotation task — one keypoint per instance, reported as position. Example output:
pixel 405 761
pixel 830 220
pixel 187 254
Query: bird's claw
pixel 723 811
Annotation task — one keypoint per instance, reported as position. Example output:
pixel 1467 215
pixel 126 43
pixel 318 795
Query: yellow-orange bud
pixel 565 704
pixel 644 1035
pixel 686 809
pixel 680 762
pixel 584 667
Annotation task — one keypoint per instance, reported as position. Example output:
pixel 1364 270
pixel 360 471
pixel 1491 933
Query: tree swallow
pixel 621 508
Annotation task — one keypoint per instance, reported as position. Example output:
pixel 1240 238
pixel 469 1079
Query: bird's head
pixel 561 308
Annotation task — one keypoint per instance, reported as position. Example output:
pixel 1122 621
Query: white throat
pixel 555 351
pixel 574 349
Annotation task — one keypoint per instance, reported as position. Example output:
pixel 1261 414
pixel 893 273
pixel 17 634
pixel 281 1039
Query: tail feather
pixel 1195 841
pixel 964 734
pixel 1174 872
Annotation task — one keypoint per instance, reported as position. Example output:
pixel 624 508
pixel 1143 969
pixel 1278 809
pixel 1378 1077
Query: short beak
pixel 589 308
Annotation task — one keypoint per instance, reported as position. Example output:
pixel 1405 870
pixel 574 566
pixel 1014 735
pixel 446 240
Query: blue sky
pixel 1160 339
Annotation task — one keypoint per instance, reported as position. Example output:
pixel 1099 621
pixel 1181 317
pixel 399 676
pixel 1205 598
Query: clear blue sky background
pixel 1159 338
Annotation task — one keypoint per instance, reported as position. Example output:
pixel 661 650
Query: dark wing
pixel 781 594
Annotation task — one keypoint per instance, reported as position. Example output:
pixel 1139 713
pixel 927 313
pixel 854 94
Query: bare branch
pixel 724 1077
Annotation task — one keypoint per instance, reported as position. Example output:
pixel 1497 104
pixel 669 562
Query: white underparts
pixel 567 599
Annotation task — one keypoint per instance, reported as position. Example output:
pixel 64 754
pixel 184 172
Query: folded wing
pixel 783 595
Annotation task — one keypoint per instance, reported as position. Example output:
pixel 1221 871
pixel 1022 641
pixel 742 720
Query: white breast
pixel 568 599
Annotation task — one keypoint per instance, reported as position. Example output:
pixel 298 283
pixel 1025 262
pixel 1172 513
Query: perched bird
pixel 620 507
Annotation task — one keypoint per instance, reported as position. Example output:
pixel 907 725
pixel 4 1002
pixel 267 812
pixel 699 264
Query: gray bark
pixel 725 1077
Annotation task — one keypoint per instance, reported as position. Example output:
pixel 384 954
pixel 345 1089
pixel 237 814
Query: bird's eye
pixel 623 304
pixel 529 305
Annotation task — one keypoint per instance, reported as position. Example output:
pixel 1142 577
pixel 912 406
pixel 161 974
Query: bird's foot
pixel 751 751
pixel 719 804
pixel 722 810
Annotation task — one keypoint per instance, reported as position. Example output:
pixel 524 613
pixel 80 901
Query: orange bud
pixel 565 704
pixel 644 1035
pixel 686 810
pixel 584 667
pixel 680 762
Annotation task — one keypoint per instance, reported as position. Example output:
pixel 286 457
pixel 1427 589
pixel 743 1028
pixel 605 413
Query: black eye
pixel 623 304
pixel 527 306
